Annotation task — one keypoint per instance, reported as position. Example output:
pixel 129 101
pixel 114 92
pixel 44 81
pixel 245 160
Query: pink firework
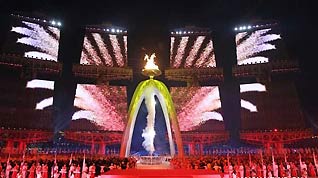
pixel 104 106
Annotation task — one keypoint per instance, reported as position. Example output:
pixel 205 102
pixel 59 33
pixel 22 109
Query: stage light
pixel 180 32
pixel 120 31
pixel 244 27
pixel 249 27
pixel 59 24
pixel 107 29
pixel 184 32
pixel 257 25
pixel 172 33
pixel 53 22
pixel 117 30
pixel 241 28
pixel 44 20
pixel 113 30
pixel 235 28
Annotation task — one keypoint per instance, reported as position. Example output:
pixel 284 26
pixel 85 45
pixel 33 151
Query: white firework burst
pixel 202 104
pixel 94 102
pixel 38 37
pixel 249 47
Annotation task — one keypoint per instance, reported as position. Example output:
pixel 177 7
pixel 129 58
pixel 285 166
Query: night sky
pixel 297 19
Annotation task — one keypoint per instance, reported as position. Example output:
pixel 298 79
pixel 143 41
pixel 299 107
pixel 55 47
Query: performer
pixel 288 171
pixel 303 166
pixel 230 170
pixel 269 170
pixel 1 171
pixel 63 171
pixel 275 169
pixel 247 171
pixel 226 169
pixel 241 170
pixel 236 170
pixel 24 169
pixel 253 170
pixel 312 172
pixel 45 170
pixel 77 172
pixel 304 173
pixel 71 171
pixel 102 169
pixel 92 171
pixel 56 173
pixel 38 171
pixel 85 171
pixel 54 170
pixel 281 171
pixel 264 170
pixel 15 171
pixel 258 170
pixel 8 169
pixel 32 171
pixel 293 170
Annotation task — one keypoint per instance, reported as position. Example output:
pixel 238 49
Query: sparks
pixel 248 47
pixel 199 107
pixel 172 40
pixel 204 55
pixel 194 51
pixel 102 105
pixel 196 105
pixel 117 50
pixel 36 36
pixel 180 52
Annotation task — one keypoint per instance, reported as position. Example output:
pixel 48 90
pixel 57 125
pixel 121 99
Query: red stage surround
pixel 165 173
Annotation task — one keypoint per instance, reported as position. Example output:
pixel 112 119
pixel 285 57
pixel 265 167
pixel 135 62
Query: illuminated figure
pixel 147 90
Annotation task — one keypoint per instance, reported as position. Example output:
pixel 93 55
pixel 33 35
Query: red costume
pixel 63 172
pixel 259 171
pixel 15 171
pixel 45 170
pixel 32 171
pixel 293 171
pixel 247 171
pixel 312 172
pixel 77 172
pixel 92 171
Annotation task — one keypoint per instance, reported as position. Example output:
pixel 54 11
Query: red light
pixel 275 130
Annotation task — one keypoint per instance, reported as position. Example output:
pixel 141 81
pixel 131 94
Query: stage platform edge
pixel 165 173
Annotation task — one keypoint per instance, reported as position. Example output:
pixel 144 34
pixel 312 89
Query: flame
pixel 151 62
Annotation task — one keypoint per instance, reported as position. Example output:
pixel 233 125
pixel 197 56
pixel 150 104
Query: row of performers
pixel 271 170
pixel 42 171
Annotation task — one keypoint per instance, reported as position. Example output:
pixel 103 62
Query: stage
pixel 165 173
